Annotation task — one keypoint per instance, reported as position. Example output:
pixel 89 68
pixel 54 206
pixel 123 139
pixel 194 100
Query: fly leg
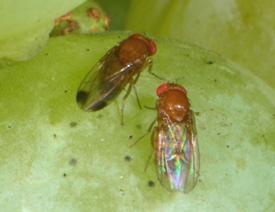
pixel 153 142
pixel 123 103
pixel 147 132
pixel 148 160
pixel 152 73
pixel 135 90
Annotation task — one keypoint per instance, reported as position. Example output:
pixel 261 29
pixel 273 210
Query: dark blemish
pixel 138 126
pixel 210 62
pixel 94 13
pixel 82 96
pixel 54 135
pixel 215 80
pixel 197 113
pixel 73 162
pixel 9 126
pixel 227 146
pixel 99 116
pixel 130 137
pixel 218 133
pixel 200 180
pixel 46 54
pixel 65 91
pixel 64 175
pixel 87 50
pixel 121 191
pixel 73 124
pixel 127 158
pixel 151 183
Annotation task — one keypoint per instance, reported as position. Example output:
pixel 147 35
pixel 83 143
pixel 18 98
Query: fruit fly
pixel 120 67
pixel 174 139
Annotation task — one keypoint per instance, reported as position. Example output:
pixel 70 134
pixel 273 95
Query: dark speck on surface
pixel 210 62
pixel 73 162
pixel 46 54
pixel 73 124
pixel 54 135
pixel 87 49
pixel 227 146
pixel 215 80
pixel 64 175
pixel 197 113
pixel 99 116
pixel 138 126
pixel 9 126
pixel 65 91
pixel 121 191
pixel 151 183
pixel 130 136
pixel 127 158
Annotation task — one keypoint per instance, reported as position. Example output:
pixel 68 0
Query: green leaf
pixel 56 157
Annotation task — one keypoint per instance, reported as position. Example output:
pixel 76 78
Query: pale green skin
pixel 236 109
pixel 25 26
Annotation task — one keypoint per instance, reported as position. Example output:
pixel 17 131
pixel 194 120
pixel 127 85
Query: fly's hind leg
pixel 147 132
pixel 153 143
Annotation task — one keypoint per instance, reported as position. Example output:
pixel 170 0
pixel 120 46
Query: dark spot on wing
pixel 81 97
pixel 99 105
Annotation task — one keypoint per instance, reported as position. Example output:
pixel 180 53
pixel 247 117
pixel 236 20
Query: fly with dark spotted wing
pixel 119 68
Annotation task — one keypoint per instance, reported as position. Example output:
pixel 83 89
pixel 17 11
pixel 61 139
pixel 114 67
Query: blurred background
pixel 242 31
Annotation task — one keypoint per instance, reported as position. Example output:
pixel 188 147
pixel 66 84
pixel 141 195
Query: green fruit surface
pixel 56 157
pixel 25 26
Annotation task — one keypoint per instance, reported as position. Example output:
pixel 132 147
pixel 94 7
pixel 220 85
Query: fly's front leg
pixel 135 90
pixel 123 103
pixel 152 73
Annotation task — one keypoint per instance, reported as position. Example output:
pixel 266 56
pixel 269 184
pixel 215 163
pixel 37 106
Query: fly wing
pixel 103 82
pixel 178 155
